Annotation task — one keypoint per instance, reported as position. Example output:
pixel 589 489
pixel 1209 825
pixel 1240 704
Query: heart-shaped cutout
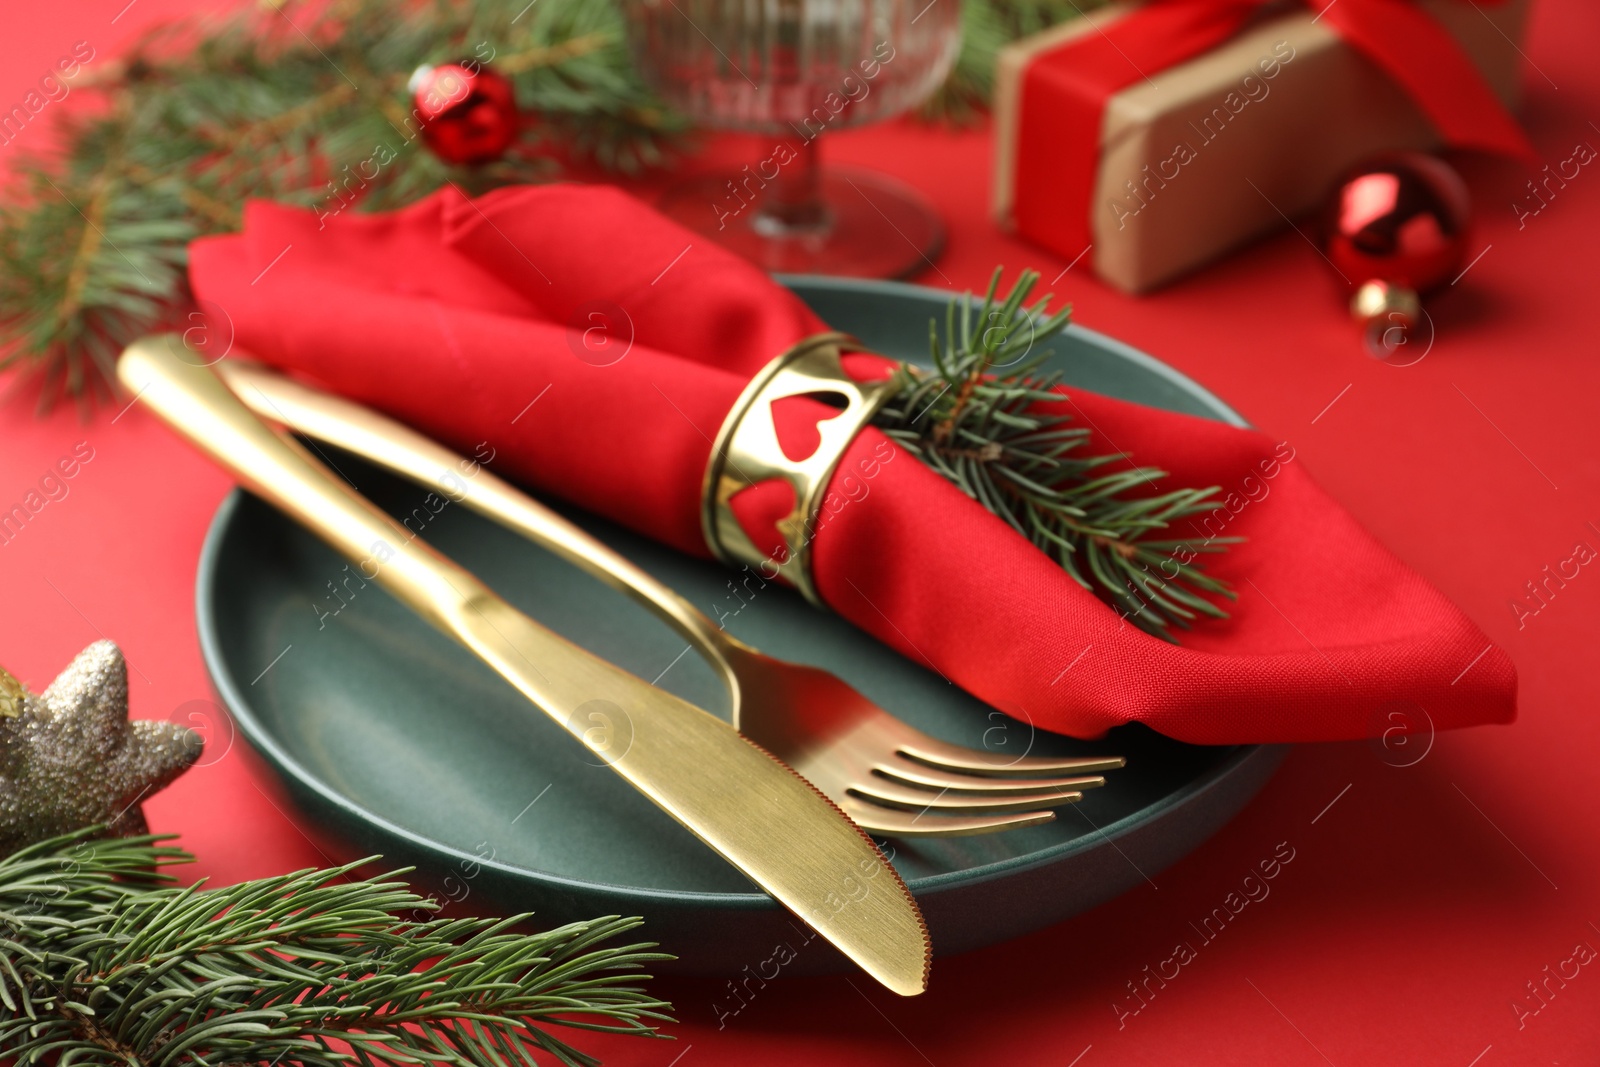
pixel 759 508
pixel 796 420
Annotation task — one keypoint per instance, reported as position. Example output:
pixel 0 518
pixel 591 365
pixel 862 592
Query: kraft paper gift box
pixel 1205 156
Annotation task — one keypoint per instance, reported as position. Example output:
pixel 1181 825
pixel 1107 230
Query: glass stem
pixel 792 204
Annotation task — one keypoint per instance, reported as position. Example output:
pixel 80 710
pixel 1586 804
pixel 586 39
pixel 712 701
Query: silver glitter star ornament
pixel 70 758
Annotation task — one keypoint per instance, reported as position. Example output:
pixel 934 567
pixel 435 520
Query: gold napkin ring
pixel 747 453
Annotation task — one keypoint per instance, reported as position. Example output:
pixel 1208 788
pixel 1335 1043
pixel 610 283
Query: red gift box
pixel 1155 137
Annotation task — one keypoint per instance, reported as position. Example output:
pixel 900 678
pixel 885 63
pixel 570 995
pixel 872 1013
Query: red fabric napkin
pixel 465 319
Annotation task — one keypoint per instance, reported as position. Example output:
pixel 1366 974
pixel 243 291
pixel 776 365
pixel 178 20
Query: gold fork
pixel 890 778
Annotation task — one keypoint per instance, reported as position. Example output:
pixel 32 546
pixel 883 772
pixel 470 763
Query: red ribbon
pixel 1065 91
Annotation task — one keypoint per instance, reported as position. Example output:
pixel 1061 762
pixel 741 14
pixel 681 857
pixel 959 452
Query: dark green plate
pixel 399 742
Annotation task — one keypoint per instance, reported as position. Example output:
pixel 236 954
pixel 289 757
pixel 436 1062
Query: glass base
pixel 871 227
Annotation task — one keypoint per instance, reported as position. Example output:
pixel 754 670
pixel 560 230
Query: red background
pixel 1417 906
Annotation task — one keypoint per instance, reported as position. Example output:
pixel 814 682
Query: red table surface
pixel 1420 902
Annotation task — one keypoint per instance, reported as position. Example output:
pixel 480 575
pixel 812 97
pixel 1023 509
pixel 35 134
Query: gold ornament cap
pixel 1387 312
pixel 746 453
pixel 13 695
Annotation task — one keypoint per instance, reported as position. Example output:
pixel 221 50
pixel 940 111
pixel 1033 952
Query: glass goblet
pixel 795 70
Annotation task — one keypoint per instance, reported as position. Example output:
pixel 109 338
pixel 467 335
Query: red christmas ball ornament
pixel 468 113
pixel 1395 227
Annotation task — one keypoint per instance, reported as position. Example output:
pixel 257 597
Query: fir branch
pixel 103 961
pixel 977 419
pixel 305 104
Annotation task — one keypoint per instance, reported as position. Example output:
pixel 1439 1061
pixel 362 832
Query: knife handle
pixel 412 455
pixel 193 400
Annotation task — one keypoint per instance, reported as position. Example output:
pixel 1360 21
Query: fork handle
pixel 194 401
pixel 414 456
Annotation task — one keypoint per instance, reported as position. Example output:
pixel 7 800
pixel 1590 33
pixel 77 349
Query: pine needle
pixel 975 418
pixel 305 104
pixel 104 961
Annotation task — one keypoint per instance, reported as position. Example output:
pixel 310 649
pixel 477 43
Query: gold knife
pixel 751 809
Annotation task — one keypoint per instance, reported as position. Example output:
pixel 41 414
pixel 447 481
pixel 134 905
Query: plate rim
pixel 240 709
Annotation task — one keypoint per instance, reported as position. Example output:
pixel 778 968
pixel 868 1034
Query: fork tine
pixel 893 794
pixel 935 753
pixel 892 822
pixel 920 774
